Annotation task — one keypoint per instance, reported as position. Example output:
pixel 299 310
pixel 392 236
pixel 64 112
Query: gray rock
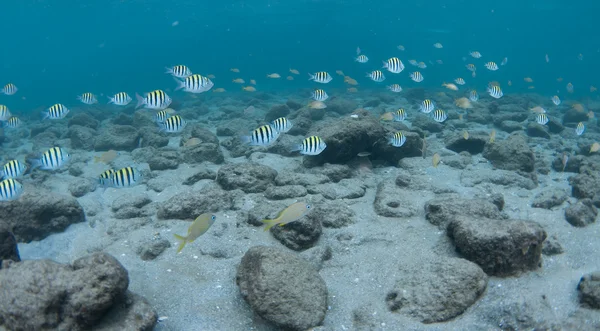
pixel 335 172
pixel 276 111
pixel 282 288
pixel 549 198
pixel 538 130
pixel 263 210
pixel 152 248
pixel 82 137
pixel 295 178
pixel 249 177
pixel 499 177
pixel 117 137
pixel 40 213
pixel 499 247
pixel 201 174
pixel 81 187
pixel 513 153
pixel 163 160
pixel 521 312
pixel 205 152
pixel 441 211
pixel 190 204
pixel 317 255
pixel 64 297
pixel 132 313
pixel 345 189
pixel 131 206
pixel 299 235
pixel 285 192
pixel 392 201
pixel 83 119
pixel 437 290
pixel 589 290
pixel 581 213
pixel 151 138
pixel 333 214
pixel 8 247
pixel 510 126
pixel 473 145
pixel 573 115
pixel 552 246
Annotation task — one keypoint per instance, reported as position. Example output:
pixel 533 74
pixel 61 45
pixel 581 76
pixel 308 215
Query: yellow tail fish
pixel 200 225
pixel 288 215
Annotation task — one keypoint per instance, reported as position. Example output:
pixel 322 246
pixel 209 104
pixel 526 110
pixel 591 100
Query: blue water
pixel 54 50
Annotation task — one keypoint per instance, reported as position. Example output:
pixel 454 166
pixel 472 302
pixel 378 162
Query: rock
pixel 589 290
pixel 163 160
pixel 263 210
pixel 441 211
pixel 151 249
pixel 190 204
pixel 249 177
pixel 555 126
pixel 333 214
pixel 83 119
pixel 437 290
pixel 201 174
pixel 499 247
pixel 210 152
pixel 282 288
pixel 122 119
pixel 151 138
pixel 538 130
pixel 586 186
pixel 40 213
pixel 574 116
pixel 499 177
pixel 549 198
pixel 117 137
pixel 298 235
pixel 132 313
pixel 285 192
pixel 82 137
pixel 81 187
pixel 345 189
pixel 552 246
pixel 296 178
pixel 8 247
pixel 276 112
pixel 317 255
pixel 335 172
pixel 473 145
pixel 510 126
pixel 427 123
pixel 391 201
pixel 581 213
pixel 65 297
pixel 131 206
pixel 510 154
pixel 293 104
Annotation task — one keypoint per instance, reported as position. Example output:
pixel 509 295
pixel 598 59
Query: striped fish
pixel 179 71
pixel 10 189
pixel 471 67
pixel 416 76
pixel 542 119
pixel 12 122
pixel 120 99
pixel 495 91
pixel 312 145
pixel 195 84
pixel 87 98
pixel 556 100
pixel 105 178
pixel 262 136
pixel 156 99
pixel 161 116
pixel 4 113
pixel 362 59
pixel 491 66
pixel 13 169
pixel 580 128
pixel 282 125
pixel 394 65
pixel 427 106
pixel 319 95
pixel 395 88
pixel 439 115
pixel 55 112
pixel 376 76
pixel 9 89
pixel 473 96
pixel 125 177
pixel 51 159
pixel 321 77
pixel 459 81
pixel 173 124
pixel 400 115
pixel 398 139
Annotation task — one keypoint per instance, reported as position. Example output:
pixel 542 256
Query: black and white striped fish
pixel 9 89
pixel 120 99
pixel 51 159
pixel 161 116
pixel 495 91
pixel 319 95
pixel 416 76
pixel 156 99
pixel 13 122
pixel 579 129
pixel 362 59
pixel 4 113
pixel 10 189
pixel 195 84
pixel 491 66
pixel 542 119
pixel 282 125
pixel 439 115
pixel 393 65
pixel 55 112
pixel 427 106
pixel 87 98
pixel 173 124
pixel 395 88
pixel 400 115
pixel 105 178
pixel 321 77
pixel 13 169
pixel 125 177
pixel 262 136
pixel 376 76
pixel 312 145
pixel 473 96
pixel 398 139
pixel 179 71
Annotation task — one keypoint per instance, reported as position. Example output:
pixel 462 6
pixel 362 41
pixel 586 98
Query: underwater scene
pixel 322 165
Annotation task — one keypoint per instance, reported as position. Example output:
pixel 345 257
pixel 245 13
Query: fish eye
pixel 213 217
pixel 307 206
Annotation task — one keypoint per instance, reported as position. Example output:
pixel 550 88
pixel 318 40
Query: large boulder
pixel 189 204
pixel 249 177
pixel 117 137
pixel 513 153
pixel 282 288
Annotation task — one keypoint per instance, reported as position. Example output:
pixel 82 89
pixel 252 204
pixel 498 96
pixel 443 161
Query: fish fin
pixel 110 100
pixel 169 70
pixel 182 241
pixel 269 224
pixel 181 84
pixel 140 101
pixel 35 163
pixel 246 139
pixel 296 148
pixel 45 115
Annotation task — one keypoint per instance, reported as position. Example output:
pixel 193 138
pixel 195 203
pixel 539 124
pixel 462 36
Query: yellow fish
pixel 450 86
pixel 317 105
pixel 593 89
pixel 200 225
pixel 253 82
pixel 528 79
pixel 352 89
pixel 436 160
pixel 238 81
pixel 219 90
pixel 234 70
pixel 106 157
pixel 492 136
pixel 387 117
pixel 211 76
pixel 339 72
pixel 249 88
pixel 463 103
pixel 595 147
pixel 294 71
pixel 466 135
pixel 274 75
pixel 290 78
pixel 288 215
pixel 350 80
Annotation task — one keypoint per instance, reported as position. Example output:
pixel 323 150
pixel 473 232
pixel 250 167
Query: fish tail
pixel 140 101
pixel 182 241
pixel 269 224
